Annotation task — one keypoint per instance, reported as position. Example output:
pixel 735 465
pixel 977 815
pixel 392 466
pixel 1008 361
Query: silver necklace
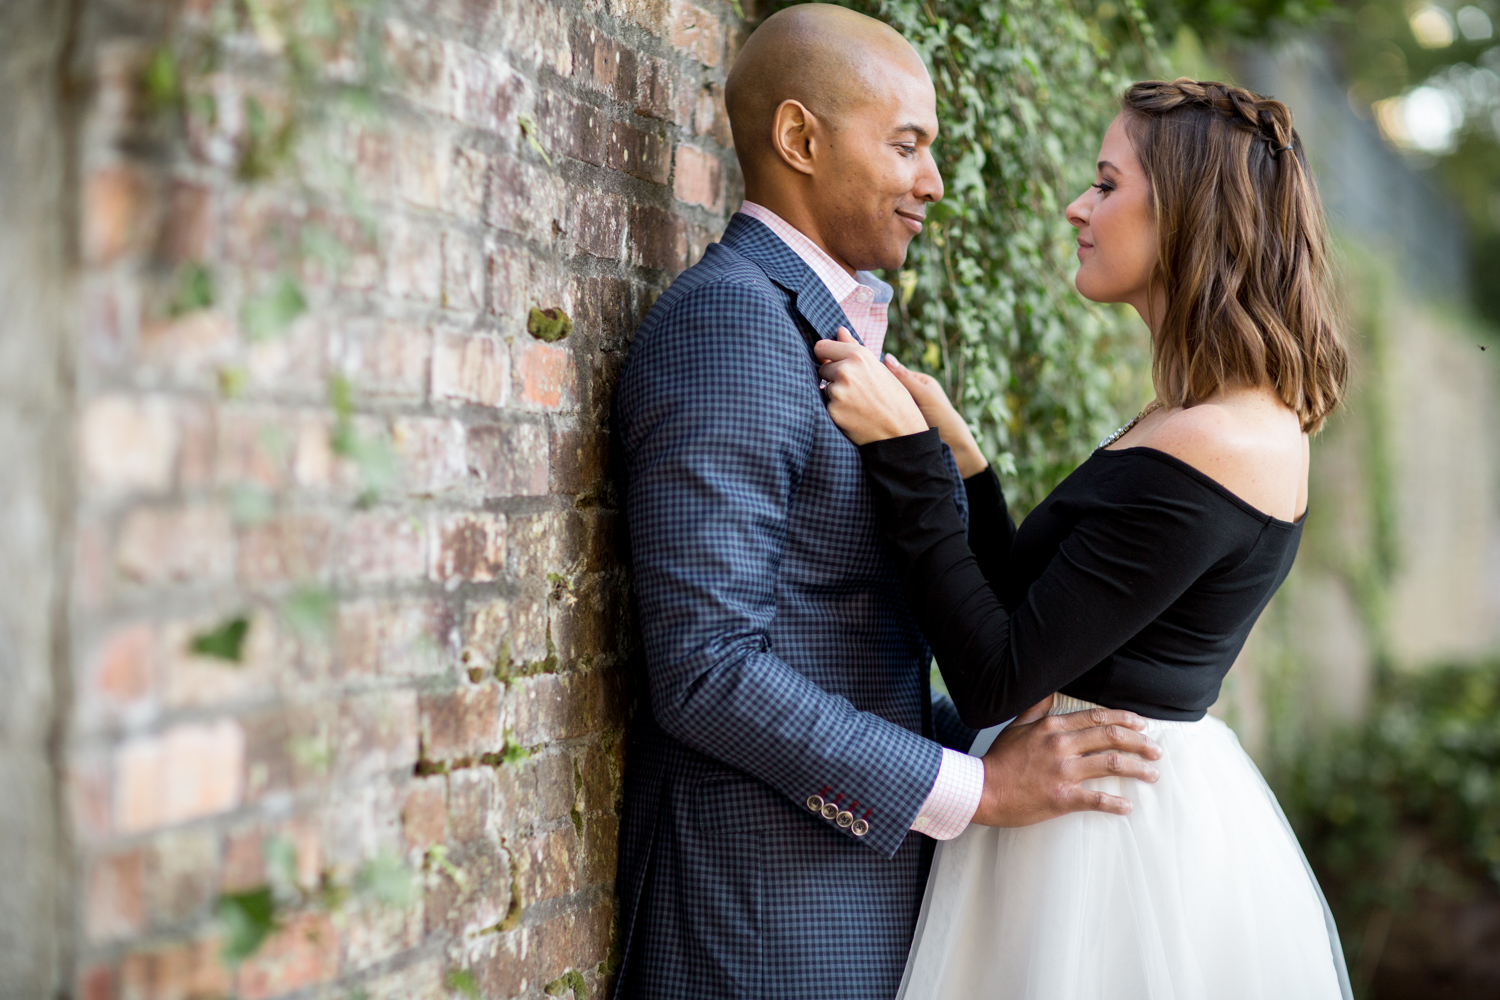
pixel 1151 407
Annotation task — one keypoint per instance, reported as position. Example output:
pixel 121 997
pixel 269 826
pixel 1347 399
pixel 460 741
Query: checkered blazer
pixel 785 670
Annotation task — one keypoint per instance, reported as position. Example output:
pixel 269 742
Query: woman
pixel 1135 583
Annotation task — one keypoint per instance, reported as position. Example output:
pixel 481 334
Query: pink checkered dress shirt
pixel 866 299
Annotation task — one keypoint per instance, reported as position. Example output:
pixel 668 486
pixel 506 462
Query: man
pixel 792 744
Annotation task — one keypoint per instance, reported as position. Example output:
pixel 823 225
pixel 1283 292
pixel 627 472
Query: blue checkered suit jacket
pixel 783 662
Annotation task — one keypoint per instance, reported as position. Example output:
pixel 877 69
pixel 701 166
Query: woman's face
pixel 1116 231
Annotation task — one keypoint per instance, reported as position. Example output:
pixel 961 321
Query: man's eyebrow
pixel 920 131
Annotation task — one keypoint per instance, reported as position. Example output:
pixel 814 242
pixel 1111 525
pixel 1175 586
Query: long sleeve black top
pixel 1134 584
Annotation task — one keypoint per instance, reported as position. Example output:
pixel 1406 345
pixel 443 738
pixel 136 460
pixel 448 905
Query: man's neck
pixel 795 213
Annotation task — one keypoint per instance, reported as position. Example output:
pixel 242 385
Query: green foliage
pixel 1236 20
pixel 226 642
pixel 1407 801
pixel 1025 90
pixel 570 981
pixel 248 918
pixel 195 290
pixel 270 313
pixel 462 982
pixel 550 325
pixel 309 611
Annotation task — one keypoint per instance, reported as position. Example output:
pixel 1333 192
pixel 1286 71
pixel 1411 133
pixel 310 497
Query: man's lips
pixel 912 220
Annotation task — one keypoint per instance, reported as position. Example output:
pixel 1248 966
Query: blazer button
pixel 830 810
pixel 845 818
pixel 860 828
pixel 815 803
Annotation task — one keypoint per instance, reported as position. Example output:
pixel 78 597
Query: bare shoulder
pixel 1247 442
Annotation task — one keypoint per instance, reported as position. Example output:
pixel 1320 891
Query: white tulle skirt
pixel 1201 893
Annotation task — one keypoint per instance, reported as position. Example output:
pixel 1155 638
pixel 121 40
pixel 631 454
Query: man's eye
pixel 908 150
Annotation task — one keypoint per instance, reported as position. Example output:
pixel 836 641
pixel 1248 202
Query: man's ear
pixel 794 134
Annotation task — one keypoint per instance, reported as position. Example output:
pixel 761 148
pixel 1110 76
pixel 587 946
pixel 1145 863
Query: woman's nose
pixel 1078 212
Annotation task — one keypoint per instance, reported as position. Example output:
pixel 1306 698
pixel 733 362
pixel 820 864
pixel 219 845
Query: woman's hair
pixel 1242 253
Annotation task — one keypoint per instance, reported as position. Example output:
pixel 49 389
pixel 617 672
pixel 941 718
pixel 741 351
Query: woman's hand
pixel 939 413
pixel 865 398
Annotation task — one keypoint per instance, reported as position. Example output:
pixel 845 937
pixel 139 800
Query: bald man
pixel 792 745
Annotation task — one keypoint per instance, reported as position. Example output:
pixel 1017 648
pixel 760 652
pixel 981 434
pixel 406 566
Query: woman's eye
pixel 1102 187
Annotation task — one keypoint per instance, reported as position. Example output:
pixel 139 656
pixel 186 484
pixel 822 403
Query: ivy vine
pixel 1025 89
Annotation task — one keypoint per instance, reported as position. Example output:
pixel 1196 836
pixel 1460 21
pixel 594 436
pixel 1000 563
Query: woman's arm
pixel 1114 574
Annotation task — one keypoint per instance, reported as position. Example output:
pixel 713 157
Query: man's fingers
pixel 1088 800
pixel 1113 737
pixel 1113 764
pixel 1090 718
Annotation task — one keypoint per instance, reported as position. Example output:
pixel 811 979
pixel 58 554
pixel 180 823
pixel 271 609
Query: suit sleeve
pixel 1113 575
pixel 717 431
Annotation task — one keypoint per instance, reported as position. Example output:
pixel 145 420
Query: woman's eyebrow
pixel 1105 163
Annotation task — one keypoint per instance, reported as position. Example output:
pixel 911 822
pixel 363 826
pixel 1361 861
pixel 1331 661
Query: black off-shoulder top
pixel 1134 584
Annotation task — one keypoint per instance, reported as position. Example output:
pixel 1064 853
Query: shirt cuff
pixel 954 798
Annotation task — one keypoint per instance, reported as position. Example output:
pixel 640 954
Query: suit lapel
pixel 811 297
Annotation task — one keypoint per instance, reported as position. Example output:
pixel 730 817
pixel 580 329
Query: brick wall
pixel 310 410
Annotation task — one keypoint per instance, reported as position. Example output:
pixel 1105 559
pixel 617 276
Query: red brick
pixel 99 982
pixel 573 129
pixel 125 664
pixel 546 376
pixel 469 547
pixel 303 953
pixel 711 117
pixel 597 224
pixel 470 369
pixel 461 724
pixel 527 201
pixel 698 179
pixel 388 362
pixel 464 273
pixel 640 154
pixel 481 903
pixel 176 545
pixel 181 875
pixel 289 548
pixel 116 205
pixel 578 457
pixel 129 444
pixel 424 816
pixel 394 638
pixel 187 232
pixel 188 970
pixel 417 61
pixel 377 734
pixel 654 91
pixel 378 546
pixel 550 707
pixel 188 771
pixel 509 459
pixel 116 905
pixel 658 239
pixel 507 630
pixel 547 865
pixel 253 447
pixel 434 453
pixel 414 264
pixel 698 32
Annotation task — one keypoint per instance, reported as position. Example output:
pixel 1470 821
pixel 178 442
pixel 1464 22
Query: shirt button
pixel 830 810
pixel 815 802
pixel 844 818
pixel 860 828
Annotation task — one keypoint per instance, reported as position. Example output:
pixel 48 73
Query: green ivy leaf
pixel 269 314
pixel 225 642
pixel 462 981
pixel 248 918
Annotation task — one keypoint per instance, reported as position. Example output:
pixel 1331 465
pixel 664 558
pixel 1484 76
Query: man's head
pixel 834 116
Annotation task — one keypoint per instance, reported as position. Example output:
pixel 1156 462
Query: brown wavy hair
pixel 1242 249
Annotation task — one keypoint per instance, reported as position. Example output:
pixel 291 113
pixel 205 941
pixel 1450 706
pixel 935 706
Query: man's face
pixel 882 178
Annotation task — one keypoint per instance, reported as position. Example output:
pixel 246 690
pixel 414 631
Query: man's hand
pixel 1034 769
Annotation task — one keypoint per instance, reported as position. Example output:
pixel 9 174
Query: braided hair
pixel 1242 255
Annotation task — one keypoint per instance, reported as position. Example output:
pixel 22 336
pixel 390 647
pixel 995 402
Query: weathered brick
pixel 129 444
pixel 304 952
pixel 547 865
pixel 414 263
pixel 188 771
pixel 124 666
pixel 654 90
pixel 193 680
pixel 658 239
pixel 116 207
pixel 377 546
pixel 434 453
pixel 481 904
pixel 167 545
pixel 189 970
pixel 377 733
pixel 546 376
pixel 461 724
pixel 579 456
pixel 711 117
pixel 698 32
pixel 181 871
pixel 538 545
pixel 598 224
pixel 507 631
pixel 550 707
pixel 641 154
pixel 288 548
pixel 698 179
pixel 187 231
pixel 394 638
pixel 387 361
pixel 509 459
pixel 116 904
pixel 469 547
pixel 573 129
pixel 470 369
pixel 424 816
pixel 527 201
pixel 476 802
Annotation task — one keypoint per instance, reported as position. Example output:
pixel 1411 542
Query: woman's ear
pixel 794 134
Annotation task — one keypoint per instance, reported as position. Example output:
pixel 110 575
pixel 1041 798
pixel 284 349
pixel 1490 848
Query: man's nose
pixel 929 186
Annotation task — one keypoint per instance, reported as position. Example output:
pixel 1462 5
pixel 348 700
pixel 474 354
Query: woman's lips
pixel 913 222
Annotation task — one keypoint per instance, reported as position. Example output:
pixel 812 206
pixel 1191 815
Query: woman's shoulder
pixel 1248 443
